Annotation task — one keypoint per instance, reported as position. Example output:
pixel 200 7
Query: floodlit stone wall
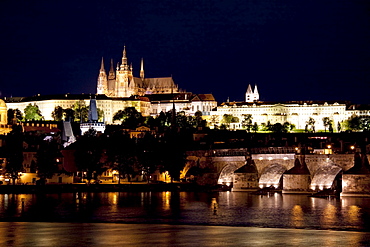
pixel 244 181
pixel 314 162
pixel 296 183
pixel 355 184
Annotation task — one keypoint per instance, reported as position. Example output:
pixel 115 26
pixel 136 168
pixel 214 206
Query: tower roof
pixel 102 64
pixel 93 111
pixel 249 90
pixel 255 91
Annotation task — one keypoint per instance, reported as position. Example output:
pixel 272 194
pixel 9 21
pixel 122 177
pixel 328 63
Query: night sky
pixel 292 50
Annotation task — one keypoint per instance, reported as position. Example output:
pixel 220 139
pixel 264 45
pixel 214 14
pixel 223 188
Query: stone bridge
pixel 289 171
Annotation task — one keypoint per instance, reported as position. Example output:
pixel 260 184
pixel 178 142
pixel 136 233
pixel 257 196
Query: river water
pixel 182 219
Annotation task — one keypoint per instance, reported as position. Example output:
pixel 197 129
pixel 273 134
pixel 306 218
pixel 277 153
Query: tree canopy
pixel 129 117
pixel 32 112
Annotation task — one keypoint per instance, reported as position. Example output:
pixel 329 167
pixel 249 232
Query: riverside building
pixel 294 112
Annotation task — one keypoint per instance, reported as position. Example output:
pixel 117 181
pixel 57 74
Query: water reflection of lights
pixel 114 201
pixel 166 200
pixel 297 216
pixel 354 214
pixel 214 204
pixel 313 201
pixel 329 214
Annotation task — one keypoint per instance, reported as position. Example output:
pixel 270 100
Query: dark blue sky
pixel 293 50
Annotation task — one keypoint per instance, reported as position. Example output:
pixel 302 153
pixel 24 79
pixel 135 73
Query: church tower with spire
pixel 122 77
pixel 252 95
pixel 102 87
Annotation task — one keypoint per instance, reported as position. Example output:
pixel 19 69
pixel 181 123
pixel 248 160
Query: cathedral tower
pixel 102 87
pixel 122 80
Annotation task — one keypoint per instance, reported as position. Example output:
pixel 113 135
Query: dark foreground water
pixel 182 219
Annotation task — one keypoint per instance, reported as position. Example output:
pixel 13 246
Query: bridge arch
pixel 325 176
pixel 272 175
pixel 227 174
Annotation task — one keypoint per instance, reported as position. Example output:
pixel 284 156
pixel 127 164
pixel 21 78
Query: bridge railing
pixel 240 152
pixel 273 150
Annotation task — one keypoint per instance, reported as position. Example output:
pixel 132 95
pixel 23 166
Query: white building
pixel 294 112
pixel 151 104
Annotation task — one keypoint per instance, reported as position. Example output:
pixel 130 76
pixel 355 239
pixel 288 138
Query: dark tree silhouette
pixel 88 155
pixel 14 153
pixel 47 160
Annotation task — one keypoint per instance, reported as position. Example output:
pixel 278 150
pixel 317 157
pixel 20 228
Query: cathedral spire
pixel 249 90
pixel 102 79
pixel 255 91
pixel 142 69
pixel 249 94
pixel 111 74
pixel 124 65
pixel 102 64
pixel 256 95
pixel 131 70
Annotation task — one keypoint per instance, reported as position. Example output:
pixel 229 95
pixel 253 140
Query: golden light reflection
pixel 354 214
pixel 114 199
pixel 329 214
pixel 297 216
pixel 166 200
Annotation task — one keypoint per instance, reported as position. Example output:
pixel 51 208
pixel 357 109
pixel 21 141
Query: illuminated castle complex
pixel 120 89
pixel 121 82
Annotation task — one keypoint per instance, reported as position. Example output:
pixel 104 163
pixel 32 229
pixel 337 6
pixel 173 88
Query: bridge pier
pixel 298 178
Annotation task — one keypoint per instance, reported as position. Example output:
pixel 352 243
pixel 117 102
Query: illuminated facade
pixel 186 102
pixel 4 127
pixel 121 82
pixel 109 106
pixel 294 112
pixel 151 104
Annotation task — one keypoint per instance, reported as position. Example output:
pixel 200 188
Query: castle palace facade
pixel 298 113
pixel 121 83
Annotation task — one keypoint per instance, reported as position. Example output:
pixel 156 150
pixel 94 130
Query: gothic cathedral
pixel 121 83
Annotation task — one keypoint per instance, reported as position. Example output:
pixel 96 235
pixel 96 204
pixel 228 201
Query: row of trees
pixel 130 118
pixel 327 122
pixel 357 123
pixel 249 126
pixel 76 113
pixel 31 112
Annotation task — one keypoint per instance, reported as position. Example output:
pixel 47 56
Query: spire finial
pixel 142 69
